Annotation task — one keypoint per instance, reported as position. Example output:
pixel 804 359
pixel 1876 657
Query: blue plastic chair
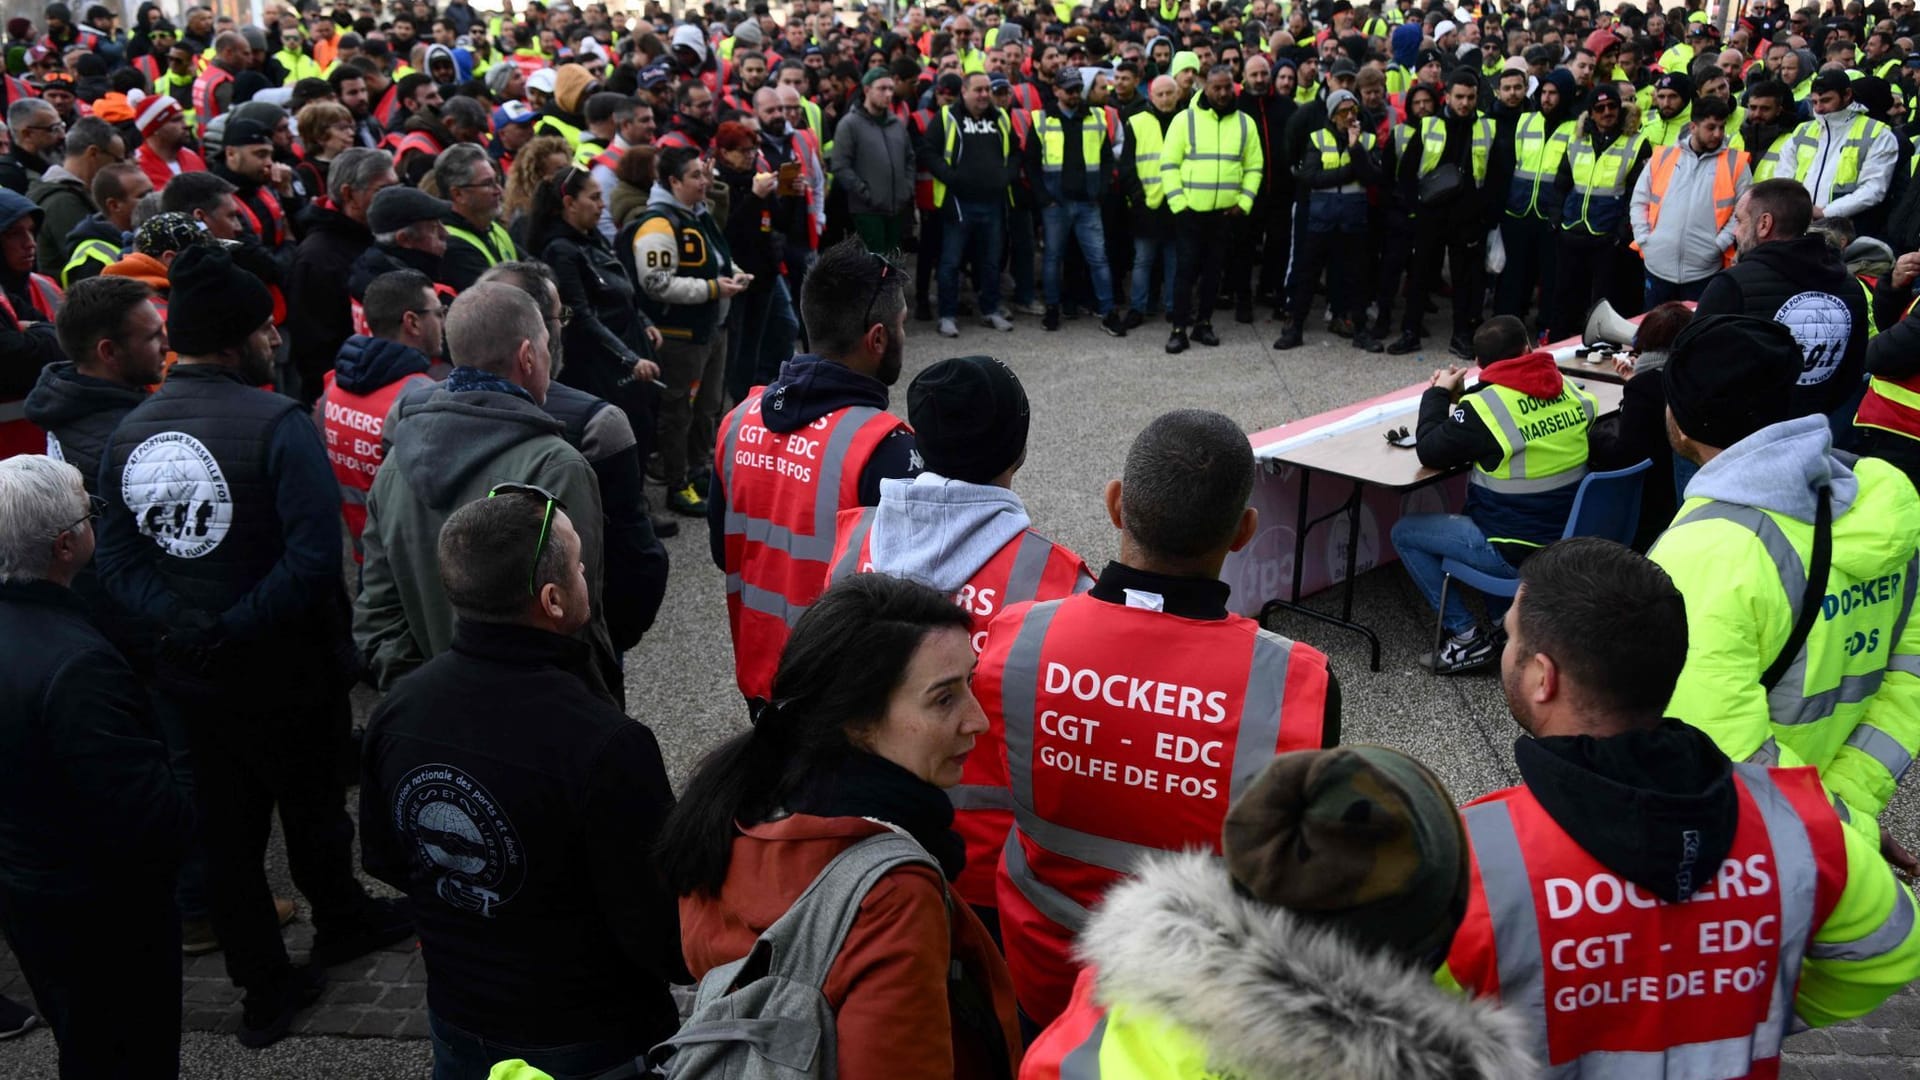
pixel 1607 505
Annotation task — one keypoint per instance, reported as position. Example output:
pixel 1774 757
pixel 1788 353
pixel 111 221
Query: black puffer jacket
pixel 1801 284
pixel 385 259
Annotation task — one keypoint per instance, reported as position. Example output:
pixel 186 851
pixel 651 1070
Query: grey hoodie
pixel 447 449
pixel 1271 996
pixel 1687 246
pixel 940 532
pixel 1780 468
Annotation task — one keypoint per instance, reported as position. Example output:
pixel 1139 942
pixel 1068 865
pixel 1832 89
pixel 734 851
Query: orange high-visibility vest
pixel 1028 567
pixel 1660 172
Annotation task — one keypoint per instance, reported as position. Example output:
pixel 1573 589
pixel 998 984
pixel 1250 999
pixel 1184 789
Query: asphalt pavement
pixel 1090 394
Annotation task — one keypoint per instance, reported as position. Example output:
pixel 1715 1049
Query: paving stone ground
pixel 1090 395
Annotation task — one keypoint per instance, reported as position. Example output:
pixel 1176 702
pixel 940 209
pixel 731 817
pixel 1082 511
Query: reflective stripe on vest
pixel 1210 169
pixel 206 99
pixel 496 247
pixel 1523 961
pixel 1544 442
pixel 776 565
pixel 92 249
pixel 1147 139
pixel 1726 180
pixel 1891 406
pixel 1536 162
pixel 1053 144
pixel 1602 176
pixel 1433 142
pixel 1790 703
pixel 950 129
pixel 1861 132
pixel 351 425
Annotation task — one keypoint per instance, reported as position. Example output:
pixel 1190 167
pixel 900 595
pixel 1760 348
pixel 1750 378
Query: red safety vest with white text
pixel 1614 980
pixel 206 99
pixel 1028 567
pixel 784 491
pixel 18 435
pixel 351 424
pixel 1128 731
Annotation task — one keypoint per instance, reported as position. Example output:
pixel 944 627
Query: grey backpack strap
pixel 807 939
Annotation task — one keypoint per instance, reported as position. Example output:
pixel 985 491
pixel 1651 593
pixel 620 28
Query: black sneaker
pixel 1407 342
pixel 15 1019
pixel 382 923
pixel 1461 347
pixel 1203 334
pixel 1463 653
pixel 1132 321
pixel 665 527
pixel 1290 338
pixel 1367 343
pixel 1114 323
pixel 1051 320
pixel 267 1014
pixel 1177 341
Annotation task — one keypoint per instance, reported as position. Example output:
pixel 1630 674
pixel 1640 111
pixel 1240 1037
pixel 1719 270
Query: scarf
pixel 859 784
pixel 466 380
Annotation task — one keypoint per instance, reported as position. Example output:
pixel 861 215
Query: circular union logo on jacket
pixel 177 495
pixel 1822 324
pixel 461 838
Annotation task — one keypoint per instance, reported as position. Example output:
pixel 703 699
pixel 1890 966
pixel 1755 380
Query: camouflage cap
pixel 172 231
pixel 1362 838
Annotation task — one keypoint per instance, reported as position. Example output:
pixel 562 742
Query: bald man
pixel 1272 216
pixel 1151 219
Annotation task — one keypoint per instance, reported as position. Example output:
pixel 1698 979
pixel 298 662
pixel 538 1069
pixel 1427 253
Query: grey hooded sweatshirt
pixel 940 532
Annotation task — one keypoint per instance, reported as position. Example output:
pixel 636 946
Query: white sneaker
pixel 948 328
pixel 997 321
pixel 1033 308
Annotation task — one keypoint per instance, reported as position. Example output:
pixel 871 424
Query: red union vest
pixel 1616 982
pixel 922 179
pixel 1128 731
pixel 18 435
pixel 206 103
pixel 784 492
pixel 1028 567
pixel 351 425
pixel 412 142
pixel 388 107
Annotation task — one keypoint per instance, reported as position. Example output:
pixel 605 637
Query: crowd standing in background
pixel 345 348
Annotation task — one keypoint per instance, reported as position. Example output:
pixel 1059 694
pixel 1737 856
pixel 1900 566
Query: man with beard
pixel 1596 178
pixel 1770 120
pixel 1271 220
pixel 1210 169
pixel 1529 160
pixel 692 124
pixel 350 89
pixel 476 241
pixel 37 132
pixel 824 419
pixel 1672 109
pixel 420 134
pixel 262 183
pixel 1450 225
pixel 222 526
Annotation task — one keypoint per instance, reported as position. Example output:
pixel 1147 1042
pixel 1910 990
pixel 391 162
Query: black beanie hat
pixel 212 304
pixel 969 417
pixel 1728 376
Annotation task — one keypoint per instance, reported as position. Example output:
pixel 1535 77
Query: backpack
pixel 765 1016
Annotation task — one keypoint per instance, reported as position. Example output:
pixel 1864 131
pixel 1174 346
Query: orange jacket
pixel 896 954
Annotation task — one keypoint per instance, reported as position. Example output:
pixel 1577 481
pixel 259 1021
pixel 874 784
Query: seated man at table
pixel 1523 429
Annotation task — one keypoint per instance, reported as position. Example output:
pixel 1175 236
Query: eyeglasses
pixel 57 125
pixel 438 312
pixel 566 315
pixel 887 266
pixel 546 522
pixel 96 506
pixel 489 182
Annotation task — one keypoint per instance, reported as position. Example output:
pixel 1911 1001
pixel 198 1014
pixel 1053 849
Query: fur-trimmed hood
pixel 1274 998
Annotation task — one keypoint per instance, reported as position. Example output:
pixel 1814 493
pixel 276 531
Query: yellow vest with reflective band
pixel 1849 705
pixel 92 249
pixel 1207 163
pixel 1726 180
pixel 497 247
pixel 1146 156
pixel 298 66
pixel 1677 58
pixel 949 123
pixel 552 125
pixel 1536 161
pixel 1433 142
pixel 1861 132
pixel 1306 92
pixel 1375 27
pixel 1660 131
pixel 165 84
pixel 1602 176
pixel 1334 156
pixel 1053 142
pixel 1543 442
pixel 1398 79
pixel 1766 161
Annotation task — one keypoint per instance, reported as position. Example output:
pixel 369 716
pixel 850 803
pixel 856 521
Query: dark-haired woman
pixel 605 338
pixel 872 720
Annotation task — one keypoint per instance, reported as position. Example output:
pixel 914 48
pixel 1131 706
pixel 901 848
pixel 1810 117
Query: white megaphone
pixel 1607 329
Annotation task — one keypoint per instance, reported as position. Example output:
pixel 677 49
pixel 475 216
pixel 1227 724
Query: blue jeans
pixel 1081 217
pixel 1659 291
pixel 1423 540
pixel 976 226
pixel 1147 251
pixel 459 1054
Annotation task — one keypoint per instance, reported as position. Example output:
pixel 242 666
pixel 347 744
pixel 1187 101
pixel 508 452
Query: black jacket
pixel 607 334
pixel 384 259
pixel 1656 807
pixel 463 263
pixel 19 169
pixel 320 316
pixel 1270 114
pixel 982 169
pixel 87 801
pixel 523 846
pixel 1638 432
pixel 80 411
pixel 1802 284
pixel 756 228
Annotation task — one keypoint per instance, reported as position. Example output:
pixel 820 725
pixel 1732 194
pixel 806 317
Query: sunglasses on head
pixel 546 523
